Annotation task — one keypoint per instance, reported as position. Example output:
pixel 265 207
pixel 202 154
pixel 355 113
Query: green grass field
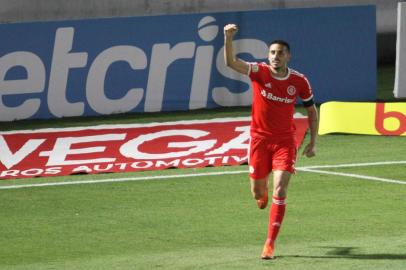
pixel 211 222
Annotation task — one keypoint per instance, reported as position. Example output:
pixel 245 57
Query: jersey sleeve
pixel 306 92
pixel 255 70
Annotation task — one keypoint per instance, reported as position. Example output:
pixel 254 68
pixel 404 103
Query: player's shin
pixel 276 215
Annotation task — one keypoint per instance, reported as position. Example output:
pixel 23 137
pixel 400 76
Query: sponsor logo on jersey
pixel 268 85
pixel 270 96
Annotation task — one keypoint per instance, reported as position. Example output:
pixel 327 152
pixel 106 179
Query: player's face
pixel 279 56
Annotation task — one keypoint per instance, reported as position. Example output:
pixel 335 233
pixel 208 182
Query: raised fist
pixel 230 30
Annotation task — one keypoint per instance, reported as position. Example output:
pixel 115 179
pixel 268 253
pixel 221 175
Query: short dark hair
pixel 281 42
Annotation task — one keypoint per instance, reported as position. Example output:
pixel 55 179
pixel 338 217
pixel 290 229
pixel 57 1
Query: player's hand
pixel 309 151
pixel 230 30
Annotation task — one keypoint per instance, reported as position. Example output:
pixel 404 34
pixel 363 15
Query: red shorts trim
pixel 267 155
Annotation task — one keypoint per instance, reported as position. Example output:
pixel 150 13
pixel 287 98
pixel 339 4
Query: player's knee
pixel 259 187
pixel 258 192
pixel 280 191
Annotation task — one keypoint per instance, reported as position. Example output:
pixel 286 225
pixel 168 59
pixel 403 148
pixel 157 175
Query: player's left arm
pixel 312 116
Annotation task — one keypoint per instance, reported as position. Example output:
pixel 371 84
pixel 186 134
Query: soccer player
pixel 272 136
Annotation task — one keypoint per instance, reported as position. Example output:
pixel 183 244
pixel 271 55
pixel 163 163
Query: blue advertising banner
pixel 167 63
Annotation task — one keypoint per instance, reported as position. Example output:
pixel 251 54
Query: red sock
pixel 276 215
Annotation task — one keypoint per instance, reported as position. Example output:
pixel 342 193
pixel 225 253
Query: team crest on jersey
pixel 254 68
pixel 291 90
pixel 268 85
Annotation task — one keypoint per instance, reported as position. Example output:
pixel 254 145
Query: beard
pixel 279 68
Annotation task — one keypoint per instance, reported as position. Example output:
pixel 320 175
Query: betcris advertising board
pixel 168 63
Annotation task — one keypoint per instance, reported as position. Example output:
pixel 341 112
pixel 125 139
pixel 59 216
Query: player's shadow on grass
pixel 349 253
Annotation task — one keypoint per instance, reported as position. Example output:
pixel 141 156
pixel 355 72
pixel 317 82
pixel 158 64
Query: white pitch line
pixel 355 165
pixel 164 177
pixel 111 180
pixel 359 176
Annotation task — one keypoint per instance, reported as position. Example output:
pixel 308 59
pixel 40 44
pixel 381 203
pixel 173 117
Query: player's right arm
pixel 230 60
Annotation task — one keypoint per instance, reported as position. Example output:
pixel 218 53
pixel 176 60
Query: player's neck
pixel 281 72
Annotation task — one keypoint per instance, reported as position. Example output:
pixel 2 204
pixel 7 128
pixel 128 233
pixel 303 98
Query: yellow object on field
pixel 363 118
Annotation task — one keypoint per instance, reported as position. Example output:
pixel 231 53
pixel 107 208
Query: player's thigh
pixel 260 159
pixel 284 157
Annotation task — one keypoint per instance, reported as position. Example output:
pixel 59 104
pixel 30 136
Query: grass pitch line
pixel 358 176
pixel 313 169
pixel 112 180
pixel 355 165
